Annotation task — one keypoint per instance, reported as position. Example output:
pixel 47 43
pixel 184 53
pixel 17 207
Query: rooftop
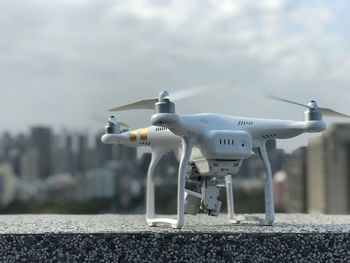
pixel 127 238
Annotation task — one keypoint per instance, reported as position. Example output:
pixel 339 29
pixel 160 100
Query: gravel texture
pixel 126 238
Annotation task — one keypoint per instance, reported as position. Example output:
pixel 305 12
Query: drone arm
pixel 281 129
pixel 121 138
pixel 110 138
pixel 314 126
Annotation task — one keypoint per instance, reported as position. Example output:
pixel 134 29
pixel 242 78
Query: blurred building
pixel 296 168
pixel 328 168
pixel 5 145
pixel 167 170
pixel 122 152
pixel 71 153
pixel 68 154
pixel 82 155
pixel 30 164
pixel 107 152
pixel 62 153
pixel 7 184
pixel 254 166
pixel 11 148
pixel 103 152
pixel 42 141
pixel 59 187
pixel 280 191
pixel 144 161
pixel 101 183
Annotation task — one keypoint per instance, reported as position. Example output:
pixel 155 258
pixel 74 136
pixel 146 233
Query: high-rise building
pixel 328 171
pixel 41 140
pixel 30 164
pixel 6 144
pixel 7 184
pixel 122 152
pixel 82 157
pixel 108 152
pixel 71 153
pixel 68 154
pixel 254 166
pixel 104 152
pixel 295 167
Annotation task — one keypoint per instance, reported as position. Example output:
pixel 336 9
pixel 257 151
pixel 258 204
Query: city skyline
pixel 41 165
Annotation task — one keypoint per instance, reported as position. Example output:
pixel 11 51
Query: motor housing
pixel 112 126
pixel 312 113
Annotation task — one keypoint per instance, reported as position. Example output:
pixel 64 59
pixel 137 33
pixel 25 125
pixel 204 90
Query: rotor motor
pixel 312 113
pixel 164 105
pixel 112 126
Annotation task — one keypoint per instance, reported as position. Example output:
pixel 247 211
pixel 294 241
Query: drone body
pixel 211 148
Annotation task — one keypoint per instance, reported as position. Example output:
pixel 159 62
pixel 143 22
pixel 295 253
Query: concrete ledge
pixel 105 238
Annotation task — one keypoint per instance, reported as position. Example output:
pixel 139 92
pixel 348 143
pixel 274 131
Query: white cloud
pixel 273 5
pixel 87 56
pixel 313 19
pixel 228 8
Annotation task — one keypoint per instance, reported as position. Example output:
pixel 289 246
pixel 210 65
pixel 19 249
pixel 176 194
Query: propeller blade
pixel 149 104
pixel 324 111
pixel 113 120
pixel 288 101
pixel 139 105
pixel 101 119
pixel 332 113
pixel 186 93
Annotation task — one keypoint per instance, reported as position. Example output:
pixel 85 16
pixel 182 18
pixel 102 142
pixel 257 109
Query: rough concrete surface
pixel 127 238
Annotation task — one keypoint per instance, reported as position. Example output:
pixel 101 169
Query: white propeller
pixel 313 106
pixel 148 104
pixel 114 121
pixel 186 93
pixel 139 105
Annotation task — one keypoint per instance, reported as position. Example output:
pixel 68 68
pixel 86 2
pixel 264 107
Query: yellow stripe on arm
pixel 144 134
pixel 132 136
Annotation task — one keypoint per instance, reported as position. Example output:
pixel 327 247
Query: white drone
pixel 211 148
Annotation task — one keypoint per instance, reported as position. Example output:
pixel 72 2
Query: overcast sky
pixel 63 62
